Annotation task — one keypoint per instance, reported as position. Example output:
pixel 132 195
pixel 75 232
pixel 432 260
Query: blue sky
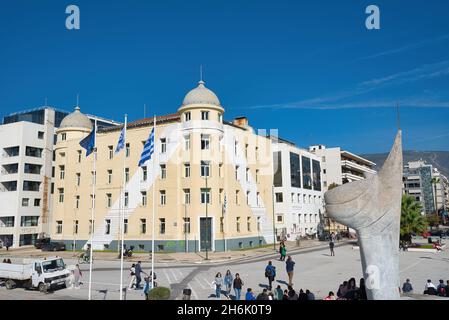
pixel 309 68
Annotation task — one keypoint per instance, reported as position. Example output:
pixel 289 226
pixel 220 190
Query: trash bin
pixel 186 293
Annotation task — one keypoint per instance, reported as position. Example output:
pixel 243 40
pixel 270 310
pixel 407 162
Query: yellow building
pixel 200 162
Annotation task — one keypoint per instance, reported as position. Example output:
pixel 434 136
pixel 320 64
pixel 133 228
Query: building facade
pixel 27 172
pixel 298 190
pixel 427 185
pixel 211 181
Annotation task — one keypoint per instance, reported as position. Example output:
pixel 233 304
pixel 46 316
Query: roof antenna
pixel 398 115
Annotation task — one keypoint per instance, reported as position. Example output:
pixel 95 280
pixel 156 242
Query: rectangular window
pixel 236 196
pixel 111 152
pixel 79 156
pixel 93 177
pixel 295 172
pixel 40 135
pixel 161 225
pixel 108 200
pixel 236 143
pixel 61 195
pixel 126 199
pixel 257 176
pixel 248 224
pixel 205 168
pixel 143 226
pixel 127 150
pixel 77 202
pixel 236 172
pixel 220 195
pixel 186 225
pixel 52 172
pixel 258 199
pixel 293 197
pixel 78 179
pixel 126 175
pixel 144 173
pixel 277 165
pixel 220 170
pixel 59 227
pixel 186 143
pixel 247 175
pixel 279 197
pixel 238 224
pixel 257 153
pixel 64 136
pixel 37 202
pixel 246 151
pixel 144 198
pixel 186 196
pixel 75 226
pixel 163 171
pixel 25 202
pixel 205 142
pixel 258 223
pixel 280 218
pixel 107 227
pixel 125 226
pixel 163 145
pixel 91 226
pixel 247 197
pixel 163 197
pixel 205 195
pixel 187 116
pixel 186 170
pixel 316 175
pixel 61 172
pixel 109 176
pixel 204 115
pixel 29 221
pixel 306 173
pixel 221 224
pixel 92 201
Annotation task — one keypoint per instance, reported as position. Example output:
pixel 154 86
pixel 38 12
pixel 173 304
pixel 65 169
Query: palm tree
pixel 411 219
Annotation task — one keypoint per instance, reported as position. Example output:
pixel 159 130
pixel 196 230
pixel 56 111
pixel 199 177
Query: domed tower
pixel 74 126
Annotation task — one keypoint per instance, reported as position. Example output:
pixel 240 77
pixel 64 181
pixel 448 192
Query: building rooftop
pixel 357 158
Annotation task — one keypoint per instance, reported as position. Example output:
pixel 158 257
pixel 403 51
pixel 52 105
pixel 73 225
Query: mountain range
pixel 438 159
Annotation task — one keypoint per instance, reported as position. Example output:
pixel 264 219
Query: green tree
pixel 433 220
pixel 411 219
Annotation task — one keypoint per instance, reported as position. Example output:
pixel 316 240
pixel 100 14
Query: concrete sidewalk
pixel 178 257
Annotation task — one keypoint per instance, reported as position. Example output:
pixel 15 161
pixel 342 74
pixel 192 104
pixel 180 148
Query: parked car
pixel 54 246
pixel 40 242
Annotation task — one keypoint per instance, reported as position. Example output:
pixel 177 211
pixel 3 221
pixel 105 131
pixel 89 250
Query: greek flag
pixel 148 149
pixel 121 141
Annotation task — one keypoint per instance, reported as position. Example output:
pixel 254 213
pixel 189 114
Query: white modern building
pixel 298 190
pixel 26 173
pixel 341 166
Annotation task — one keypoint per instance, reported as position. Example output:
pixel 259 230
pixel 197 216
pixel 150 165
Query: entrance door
pixel 205 234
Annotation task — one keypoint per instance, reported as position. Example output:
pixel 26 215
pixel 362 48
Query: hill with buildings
pixel 439 159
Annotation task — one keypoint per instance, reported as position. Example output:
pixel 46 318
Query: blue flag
pixel 88 143
pixel 148 149
pixel 121 141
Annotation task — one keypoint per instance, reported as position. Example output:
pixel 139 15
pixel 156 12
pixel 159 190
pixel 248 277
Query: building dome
pixel 201 95
pixel 76 120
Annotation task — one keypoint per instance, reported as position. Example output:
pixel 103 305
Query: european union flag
pixel 148 149
pixel 121 141
pixel 88 143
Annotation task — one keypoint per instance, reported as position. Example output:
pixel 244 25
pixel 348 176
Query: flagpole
pixel 122 220
pixel 154 197
pixel 94 182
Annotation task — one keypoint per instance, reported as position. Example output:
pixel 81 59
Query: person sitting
pixel 249 294
pixel 310 295
pixel 407 286
pixel 263 295
pixel 441 289
pixel 302 295
pixel 430 288
pixel 331 296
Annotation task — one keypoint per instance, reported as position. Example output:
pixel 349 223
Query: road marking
pixel 209 284
pixel 201 285
pixel 181 275
pixel 411 266
pixel 166 275
pixel 174 275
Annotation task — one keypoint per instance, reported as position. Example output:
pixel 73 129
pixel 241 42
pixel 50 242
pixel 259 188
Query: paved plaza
pixel 315 270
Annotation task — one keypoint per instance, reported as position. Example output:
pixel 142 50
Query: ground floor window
pixel 27 239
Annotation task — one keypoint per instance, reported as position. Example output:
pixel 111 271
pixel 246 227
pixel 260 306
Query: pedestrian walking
pixel 270 273
pixel 331 247
pixel 228 280
pixel 7 244
pixel 218 284
pixel 147 288
pixel 282 251
pixel 77 276
pixel 238 284
pixel 132 274
pixel 290 265
pixel 138 272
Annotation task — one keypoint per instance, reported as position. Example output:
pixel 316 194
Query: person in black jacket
pixel 238 284
pixel 302 295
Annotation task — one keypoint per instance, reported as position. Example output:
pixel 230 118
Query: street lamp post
pixel 274 222
pixel 207 221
